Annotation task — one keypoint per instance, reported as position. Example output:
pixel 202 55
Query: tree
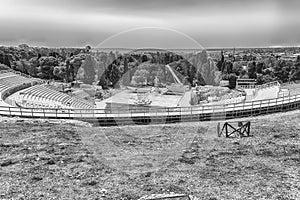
pixel 261 79
pixel 237 68
pixel 140 77
pixel 232 80
pixel 259 67
pixel 59 72
pixel 88 48
pixel 113 74
pixel 23 46
pixel 74 65
pixel 295 72
pixel 6 61
pixel 68 71
pixel 227 67
pixel 162 73
pixel 46 67
pixel 18 66
pixel 191 73
pixel 89 65
pixel 251 70
pixel 220 62
pixel 33 67
pixel 281 70
pixel 142 74
pixel 199 79
pixel 126 74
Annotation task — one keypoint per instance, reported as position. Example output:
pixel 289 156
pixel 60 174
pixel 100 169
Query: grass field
pixel 65 160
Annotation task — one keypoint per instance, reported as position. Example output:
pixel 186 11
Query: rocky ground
pixel 57 159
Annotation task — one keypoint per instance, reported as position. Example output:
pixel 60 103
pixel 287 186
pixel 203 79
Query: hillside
pixel 42 159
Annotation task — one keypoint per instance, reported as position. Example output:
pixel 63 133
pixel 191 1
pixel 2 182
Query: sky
pixel 155 23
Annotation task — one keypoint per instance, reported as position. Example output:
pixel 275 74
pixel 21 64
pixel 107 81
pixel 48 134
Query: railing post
pixel 260 106
pixel 282 102
pixel 226 129
pixel 218 129
pixel 9 111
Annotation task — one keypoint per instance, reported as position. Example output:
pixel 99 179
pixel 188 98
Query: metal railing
pixel 270 84
pixel 169 114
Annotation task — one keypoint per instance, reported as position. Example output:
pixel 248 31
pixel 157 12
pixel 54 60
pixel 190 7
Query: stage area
pixel 128 97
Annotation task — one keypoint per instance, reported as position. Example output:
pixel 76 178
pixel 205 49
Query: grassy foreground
pixel 65 160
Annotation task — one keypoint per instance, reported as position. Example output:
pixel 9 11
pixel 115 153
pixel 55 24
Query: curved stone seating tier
pixel 11 82
pixel 38 95
pixel 43 95
pixel 6 74
pixel 52 87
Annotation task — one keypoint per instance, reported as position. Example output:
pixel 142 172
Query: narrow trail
pixel 201 145
pixel 100 144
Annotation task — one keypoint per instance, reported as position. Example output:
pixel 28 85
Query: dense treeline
pixel 43 62
pixel 113 68
pixel 263 70
pixel 109 68
pixel 140 68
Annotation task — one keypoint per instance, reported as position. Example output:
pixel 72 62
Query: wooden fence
pixel 229 130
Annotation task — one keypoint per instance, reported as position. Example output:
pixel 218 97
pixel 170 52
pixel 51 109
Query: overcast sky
pixel 212 23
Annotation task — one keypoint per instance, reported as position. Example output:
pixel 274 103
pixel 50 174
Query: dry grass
pixel 64 161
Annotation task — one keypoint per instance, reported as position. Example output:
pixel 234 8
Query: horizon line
pixel 177 48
